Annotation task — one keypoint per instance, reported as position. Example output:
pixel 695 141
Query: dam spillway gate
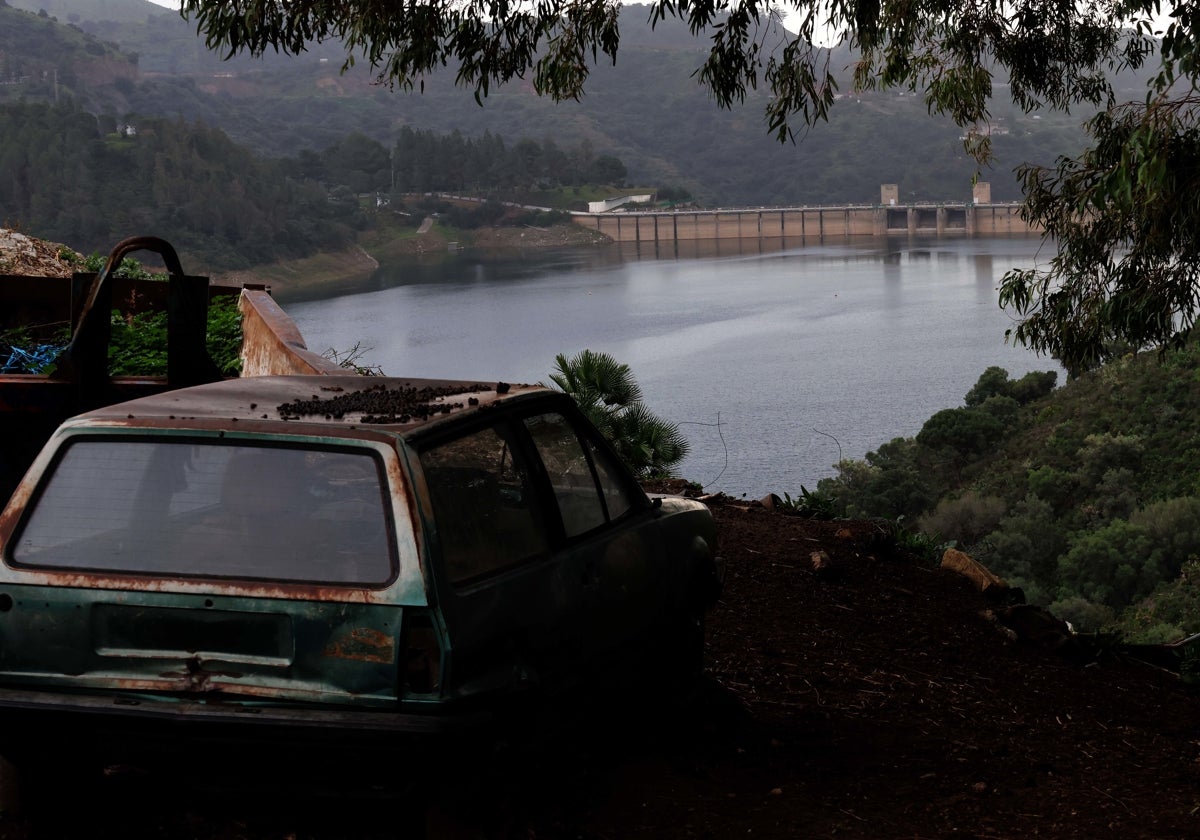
pixel 816 223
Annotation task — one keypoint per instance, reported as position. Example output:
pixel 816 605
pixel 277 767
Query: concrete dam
pixel 809 223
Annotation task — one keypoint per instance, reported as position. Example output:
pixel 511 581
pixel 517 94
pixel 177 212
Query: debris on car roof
pixel 330 398
pixel 380 404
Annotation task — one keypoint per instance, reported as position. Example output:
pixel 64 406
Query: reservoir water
pixel 774 363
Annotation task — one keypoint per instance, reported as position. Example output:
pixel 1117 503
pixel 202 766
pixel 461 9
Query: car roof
pixel 385 403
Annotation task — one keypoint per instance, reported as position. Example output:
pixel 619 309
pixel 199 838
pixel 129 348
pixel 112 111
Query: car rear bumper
pixel 147 708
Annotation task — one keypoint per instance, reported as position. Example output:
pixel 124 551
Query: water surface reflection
pixel 773 359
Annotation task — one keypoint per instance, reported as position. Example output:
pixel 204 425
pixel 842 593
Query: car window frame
pixel 513 416
pixel 544 517
pixel 585 433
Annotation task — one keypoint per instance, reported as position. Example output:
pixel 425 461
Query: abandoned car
pixel 339 552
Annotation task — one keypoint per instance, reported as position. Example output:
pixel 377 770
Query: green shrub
pixel 1006 410
pixel 1174 605
pixel 1033 386
pixel 1174 526
pixel 888 484
pixel 138 343
pixel 1084 615
pixel 1114 496
pixel 924 547
pixel 1106 451
pixel 966 519
pixel 993 382
pixel 540 218
pixel 965 432
pixel 1055 486
pixel 811 504
pixel 1156 634
pixel 1112 565
pixel 1026 544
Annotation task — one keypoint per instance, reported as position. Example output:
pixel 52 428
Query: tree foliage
pixel 1088 499
pixel 1054 52
pixel 1122 214
pixel 668 131
pixel 187 183
pixel 63 176
pixel 1125 214
pixel 423 160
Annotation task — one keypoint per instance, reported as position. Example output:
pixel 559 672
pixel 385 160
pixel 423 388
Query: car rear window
pixel 212 509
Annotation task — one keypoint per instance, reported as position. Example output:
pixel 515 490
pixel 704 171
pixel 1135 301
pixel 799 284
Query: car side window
pixel 587 483
pixel 483 504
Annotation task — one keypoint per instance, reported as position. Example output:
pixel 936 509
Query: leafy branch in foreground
pixel 1120 217
pixel 138 343
pixel 925 547
pixel 1125 216
pixel 1053 51
pixel 811 504
pixel 352 360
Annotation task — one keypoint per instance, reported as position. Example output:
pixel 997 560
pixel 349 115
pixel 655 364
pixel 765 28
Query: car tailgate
pixel 194 645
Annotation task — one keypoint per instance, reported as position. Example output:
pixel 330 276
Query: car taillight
pixel 422 664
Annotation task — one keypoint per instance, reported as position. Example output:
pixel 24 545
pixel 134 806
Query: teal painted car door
pixel 612 543
pixel 508 604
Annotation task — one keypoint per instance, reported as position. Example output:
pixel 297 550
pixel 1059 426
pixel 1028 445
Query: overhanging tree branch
pixel 1123 216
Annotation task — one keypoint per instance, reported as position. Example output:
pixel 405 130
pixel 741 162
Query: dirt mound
pixel 890 704
pixel 21 254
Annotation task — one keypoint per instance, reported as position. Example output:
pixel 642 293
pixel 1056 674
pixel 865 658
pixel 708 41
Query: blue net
pixel 30 360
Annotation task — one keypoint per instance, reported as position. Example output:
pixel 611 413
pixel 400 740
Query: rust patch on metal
pixel 15 504
pixel 209 586
pixel 271 343
pixel 196 678
pixel 363 644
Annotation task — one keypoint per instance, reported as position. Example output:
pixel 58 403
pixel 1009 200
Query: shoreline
pixel 328 270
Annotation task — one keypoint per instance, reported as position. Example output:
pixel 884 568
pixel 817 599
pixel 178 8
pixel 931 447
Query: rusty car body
pixel 307 550
pixel 338 551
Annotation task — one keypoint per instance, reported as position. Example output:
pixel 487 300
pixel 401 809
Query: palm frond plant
pixel 606 391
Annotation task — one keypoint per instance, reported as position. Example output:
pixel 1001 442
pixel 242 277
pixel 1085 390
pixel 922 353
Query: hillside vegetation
pixel 647 111
pixel 77 178
pixel 71 179
pixel 1086 496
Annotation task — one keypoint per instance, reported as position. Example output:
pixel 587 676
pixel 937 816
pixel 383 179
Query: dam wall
pixel 816 223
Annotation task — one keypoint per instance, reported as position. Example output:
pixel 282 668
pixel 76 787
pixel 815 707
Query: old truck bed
pixel 33 405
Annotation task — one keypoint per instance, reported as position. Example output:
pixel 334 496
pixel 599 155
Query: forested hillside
pixel 647 111
pixel 1086 496
pixel 43 59
pixel 68 178
pixel 71 177
pixel 79 166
